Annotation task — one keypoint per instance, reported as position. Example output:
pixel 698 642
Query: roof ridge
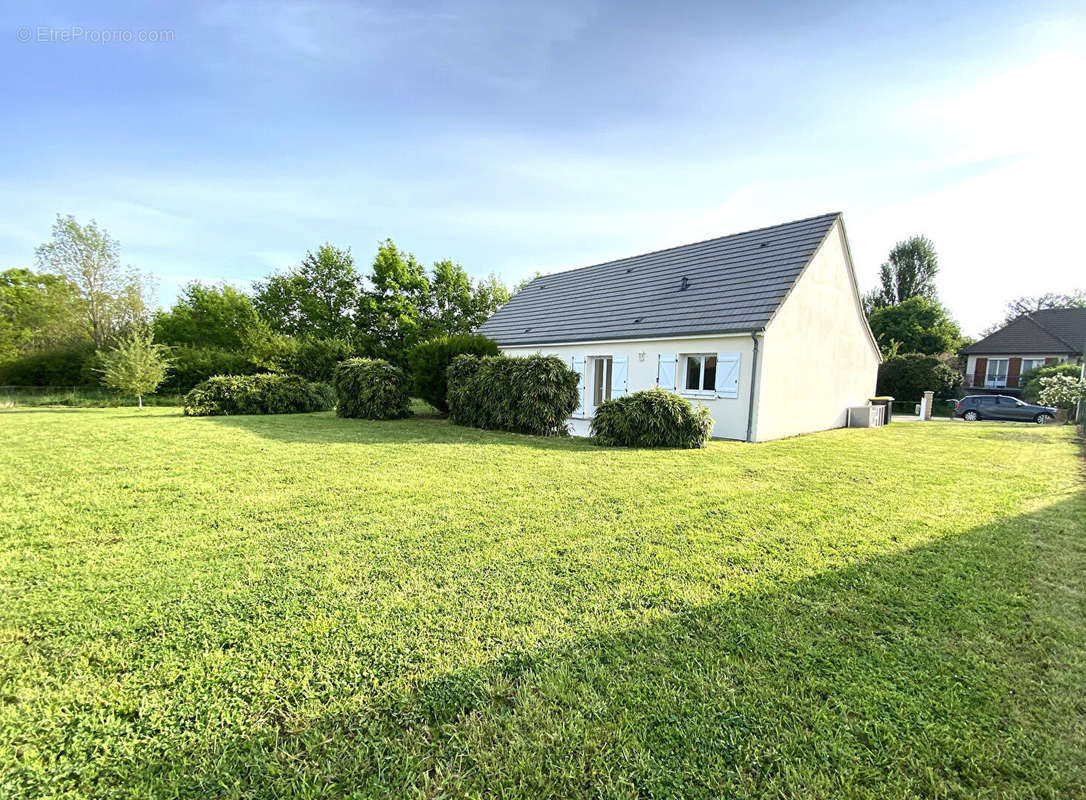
pixel 833 214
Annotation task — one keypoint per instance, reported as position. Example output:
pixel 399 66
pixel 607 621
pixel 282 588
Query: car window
pixel 986 401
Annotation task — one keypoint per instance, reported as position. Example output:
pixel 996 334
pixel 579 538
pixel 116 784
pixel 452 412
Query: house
pixel 1039 338
pixel 764 327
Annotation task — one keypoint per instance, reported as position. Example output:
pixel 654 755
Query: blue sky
pixel 515 138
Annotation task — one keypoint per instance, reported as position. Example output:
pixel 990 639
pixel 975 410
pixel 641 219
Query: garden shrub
pixel 66 366
pixel 315 359
pixel 258 394
pixel 428 363
pixel 193 365
pixel 533 395
pixel 651 418
pixel 1031 381
pixel 907 377
pixel 370 388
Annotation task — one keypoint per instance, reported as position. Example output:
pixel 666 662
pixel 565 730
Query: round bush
pixel 429 363
pixel 257 394
pixel 1031 381
pixel 651 418
pixel 370 388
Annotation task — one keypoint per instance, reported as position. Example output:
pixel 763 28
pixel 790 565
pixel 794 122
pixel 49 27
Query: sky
pixel 221 141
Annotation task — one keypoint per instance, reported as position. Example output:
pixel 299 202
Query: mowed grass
pixel 316 607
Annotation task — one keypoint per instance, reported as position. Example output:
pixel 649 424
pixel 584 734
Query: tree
pixel 907 377
pixel 394 309
pixel 918 325
pixel 458 305
pixel 136 364
pixel 1024 305
pixel 39 311
pixel 909 272
pixel 89 258
pixel 207 316
pixel 320 297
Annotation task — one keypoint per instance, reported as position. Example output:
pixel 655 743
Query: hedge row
pixel 429 364
pixel 258 394
pixel 368 388
pixel 533 395
pixel 651 418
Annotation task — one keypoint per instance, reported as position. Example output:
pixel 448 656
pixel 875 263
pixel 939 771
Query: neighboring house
pixel 1036 339
pixel 764 327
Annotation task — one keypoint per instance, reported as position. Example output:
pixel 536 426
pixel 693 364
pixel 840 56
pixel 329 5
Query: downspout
pixel 753 385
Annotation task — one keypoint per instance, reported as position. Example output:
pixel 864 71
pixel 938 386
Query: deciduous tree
pixel 136 364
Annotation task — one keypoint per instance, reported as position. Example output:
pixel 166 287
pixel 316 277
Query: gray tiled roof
pixel 733 284
pixel 1052 331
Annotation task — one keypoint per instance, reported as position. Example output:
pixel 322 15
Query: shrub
pixel 907 377
pixel 651 418
pixel 429 363
pixel 1031 381
pixel 1062 391
pixel 533 395
pixel 193 365
pixel 369 388
pixel 315 359
pixel 67 366
pixel 258 394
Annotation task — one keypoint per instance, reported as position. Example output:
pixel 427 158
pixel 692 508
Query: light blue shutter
pixel 665 372
pixel 618 376
pixel 727 374
pixel 578 367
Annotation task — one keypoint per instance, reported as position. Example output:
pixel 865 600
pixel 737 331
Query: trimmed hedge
pixel 191 366
pixel 429 363
pixel 257 394
pixel 65 366
pixel 370 388
pixel 651 418
pixel 908 376
pixel 533 395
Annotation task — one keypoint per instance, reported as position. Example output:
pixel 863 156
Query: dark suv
pixel 1000 406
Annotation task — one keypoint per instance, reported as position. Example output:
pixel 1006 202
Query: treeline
pixel 57 320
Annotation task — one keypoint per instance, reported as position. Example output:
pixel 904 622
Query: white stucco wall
pixel 729 414
pixel 817 356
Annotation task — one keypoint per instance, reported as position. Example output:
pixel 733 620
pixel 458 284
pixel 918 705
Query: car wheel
pixel 970 416
pixel 1041 419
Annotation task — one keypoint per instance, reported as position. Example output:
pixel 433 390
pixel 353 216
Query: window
pixel 987 401
pixel 700 373
pixel 602 371
pixel 1031 363
pixel 996 377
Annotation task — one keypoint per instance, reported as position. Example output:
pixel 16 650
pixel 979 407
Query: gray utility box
pixel 866 416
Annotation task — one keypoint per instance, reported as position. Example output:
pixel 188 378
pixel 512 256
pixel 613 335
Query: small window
pixel 1031 363
pixel 700 373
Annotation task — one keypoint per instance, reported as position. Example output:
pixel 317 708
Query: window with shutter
pixel 727 374
pixel 618 376
pixel 578 363
pixel 665 372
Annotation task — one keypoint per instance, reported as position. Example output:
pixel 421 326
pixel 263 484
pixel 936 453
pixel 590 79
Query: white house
pixel 764 327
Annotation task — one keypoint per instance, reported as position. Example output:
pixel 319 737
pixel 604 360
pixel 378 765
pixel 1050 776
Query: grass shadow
pixel 949 670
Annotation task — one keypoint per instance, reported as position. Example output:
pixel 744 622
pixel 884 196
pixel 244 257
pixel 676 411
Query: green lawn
pixel 310 606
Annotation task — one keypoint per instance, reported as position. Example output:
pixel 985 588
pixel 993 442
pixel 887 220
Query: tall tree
pixel 459 304
pixel 917 325
pixel 397 303
pixel 39 311
pixel 207 316
pixel 89 258
pixel 320 297
pixel 908 272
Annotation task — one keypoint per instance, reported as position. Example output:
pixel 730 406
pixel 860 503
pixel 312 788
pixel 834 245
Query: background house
pixel 764 327
pixel 1038 338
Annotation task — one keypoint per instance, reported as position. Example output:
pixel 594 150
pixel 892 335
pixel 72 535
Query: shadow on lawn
pixel 946 670
pixel 326 427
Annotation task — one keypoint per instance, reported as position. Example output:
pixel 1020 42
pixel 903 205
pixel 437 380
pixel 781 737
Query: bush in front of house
pixel 907 377
pixel 1062 391
pixel 428 363
pixel 651 418
pixel 257 394
pixel 534 395
pixel 1031 380
pixel 370 388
